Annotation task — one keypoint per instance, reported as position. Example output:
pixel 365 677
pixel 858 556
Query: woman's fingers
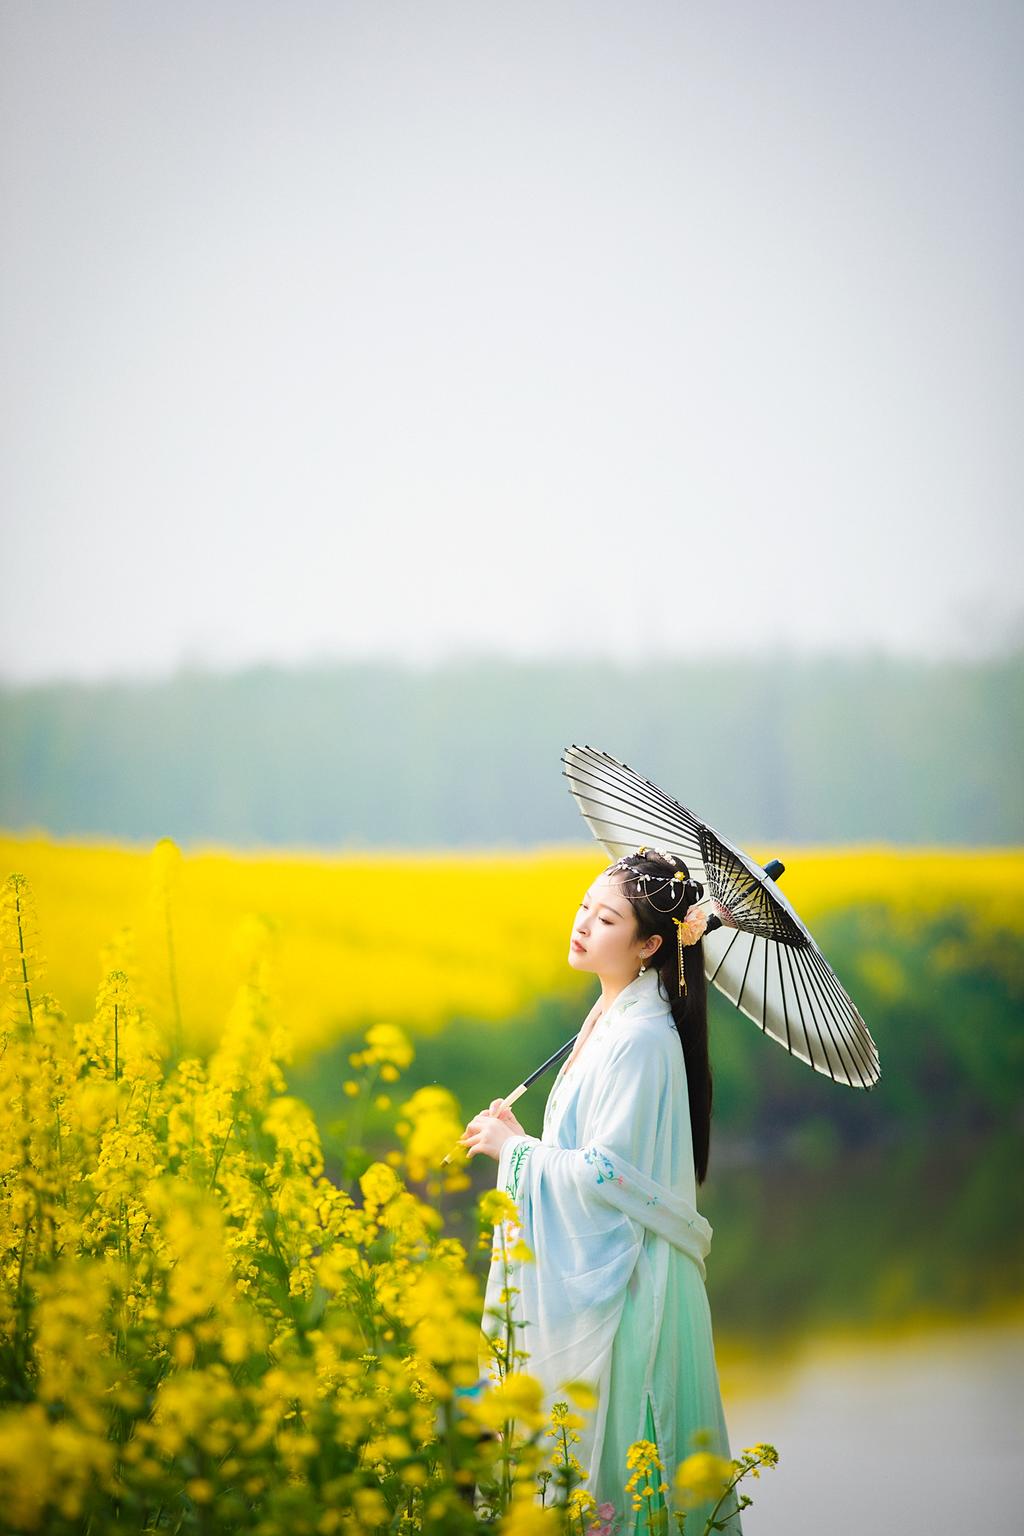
pixel 474 1126
pixel 502 1112
pixel 474 1136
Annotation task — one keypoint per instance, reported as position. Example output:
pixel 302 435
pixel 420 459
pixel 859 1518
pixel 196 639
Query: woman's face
pixel 604 937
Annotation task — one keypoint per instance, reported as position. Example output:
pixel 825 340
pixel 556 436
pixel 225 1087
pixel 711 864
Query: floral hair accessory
pixel 689 930
pixel 692 927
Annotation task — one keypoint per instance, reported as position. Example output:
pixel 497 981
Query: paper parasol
pixel 762 957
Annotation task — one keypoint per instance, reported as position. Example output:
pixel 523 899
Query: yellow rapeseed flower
pixel 525 1517
pixel 370 1507
pixel 517 1397
pixel 581 1507
pixel 165 863
pixel 701 1477
pixel 21 962
pixel 643 1457
pixel 763 1453
pixel 495 1206
pixel 389 1044
pixel 379 1184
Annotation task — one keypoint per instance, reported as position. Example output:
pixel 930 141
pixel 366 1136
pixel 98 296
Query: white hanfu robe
pixel 615 1293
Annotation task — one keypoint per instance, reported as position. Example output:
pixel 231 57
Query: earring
pixel 642 968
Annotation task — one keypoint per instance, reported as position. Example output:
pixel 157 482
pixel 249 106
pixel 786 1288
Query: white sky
pixel 336 329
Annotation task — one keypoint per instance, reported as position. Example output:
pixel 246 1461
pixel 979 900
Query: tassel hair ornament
pixel 689 930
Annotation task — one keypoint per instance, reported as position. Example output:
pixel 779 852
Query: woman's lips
pixel 577 945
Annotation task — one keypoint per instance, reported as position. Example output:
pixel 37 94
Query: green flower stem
pixel 22 956
pixel 223 1149
pixel 709 1524
pixel 172 972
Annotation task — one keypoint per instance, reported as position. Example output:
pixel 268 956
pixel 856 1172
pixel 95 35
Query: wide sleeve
pixel 581 1214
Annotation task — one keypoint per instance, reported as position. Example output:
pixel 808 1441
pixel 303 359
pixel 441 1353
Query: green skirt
pixel 680 1379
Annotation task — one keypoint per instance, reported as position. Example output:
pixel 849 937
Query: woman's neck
pixel 610 989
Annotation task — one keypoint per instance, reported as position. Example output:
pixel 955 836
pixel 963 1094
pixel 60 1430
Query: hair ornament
pixel 652 884
pixel 691 927
pixel 689 930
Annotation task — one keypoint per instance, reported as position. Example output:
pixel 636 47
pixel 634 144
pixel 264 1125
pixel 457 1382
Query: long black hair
pixel 689 1009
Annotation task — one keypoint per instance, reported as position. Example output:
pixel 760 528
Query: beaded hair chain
pixel 691 926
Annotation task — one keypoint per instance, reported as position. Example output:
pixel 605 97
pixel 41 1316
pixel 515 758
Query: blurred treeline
pixel 381 755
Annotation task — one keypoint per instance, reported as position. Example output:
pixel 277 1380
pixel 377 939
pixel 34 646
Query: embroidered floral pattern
pixel 606 1172
pixel 515 1168
pixel 605 1168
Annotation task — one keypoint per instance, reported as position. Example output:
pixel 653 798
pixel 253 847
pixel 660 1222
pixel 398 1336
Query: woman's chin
pixel 578 960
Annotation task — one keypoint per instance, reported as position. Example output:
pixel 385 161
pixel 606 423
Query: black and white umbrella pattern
pixel 761 956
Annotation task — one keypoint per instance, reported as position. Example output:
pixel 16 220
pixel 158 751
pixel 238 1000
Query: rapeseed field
pixel 200 1332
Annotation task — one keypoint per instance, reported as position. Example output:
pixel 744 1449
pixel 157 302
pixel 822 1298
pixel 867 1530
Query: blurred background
pixel 394 395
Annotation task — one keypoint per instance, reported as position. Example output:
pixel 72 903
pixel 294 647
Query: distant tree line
pixel 376 754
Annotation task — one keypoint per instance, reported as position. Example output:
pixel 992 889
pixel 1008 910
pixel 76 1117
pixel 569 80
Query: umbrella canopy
pixel 761 957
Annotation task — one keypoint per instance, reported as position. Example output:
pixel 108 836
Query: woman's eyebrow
pixel 613 910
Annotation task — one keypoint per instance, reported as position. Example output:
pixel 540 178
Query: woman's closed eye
pixel 603 919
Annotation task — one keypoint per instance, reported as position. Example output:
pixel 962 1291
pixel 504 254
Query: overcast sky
pixel 339 329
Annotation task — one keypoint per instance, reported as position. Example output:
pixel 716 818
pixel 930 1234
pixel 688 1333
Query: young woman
pixel 615 1293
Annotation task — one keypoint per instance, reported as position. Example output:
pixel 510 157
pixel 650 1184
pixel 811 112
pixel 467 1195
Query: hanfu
pixel 615 1293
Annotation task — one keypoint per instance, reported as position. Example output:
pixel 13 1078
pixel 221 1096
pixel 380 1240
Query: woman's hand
pixel 500 1108
pixel 488 1131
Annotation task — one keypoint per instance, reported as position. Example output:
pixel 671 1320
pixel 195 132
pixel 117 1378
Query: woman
pixel 615 1293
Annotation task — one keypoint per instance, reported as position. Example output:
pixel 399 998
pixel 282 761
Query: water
pixel 889 1436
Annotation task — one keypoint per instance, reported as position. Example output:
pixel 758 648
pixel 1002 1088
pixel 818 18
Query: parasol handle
pixel 512 1099
pixel 517 1093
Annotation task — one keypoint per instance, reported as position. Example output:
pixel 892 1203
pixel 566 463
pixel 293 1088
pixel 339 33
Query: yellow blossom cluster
pixel 644 1461
pixel 430 1126
pixel 702 1476
pixel 193 1317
